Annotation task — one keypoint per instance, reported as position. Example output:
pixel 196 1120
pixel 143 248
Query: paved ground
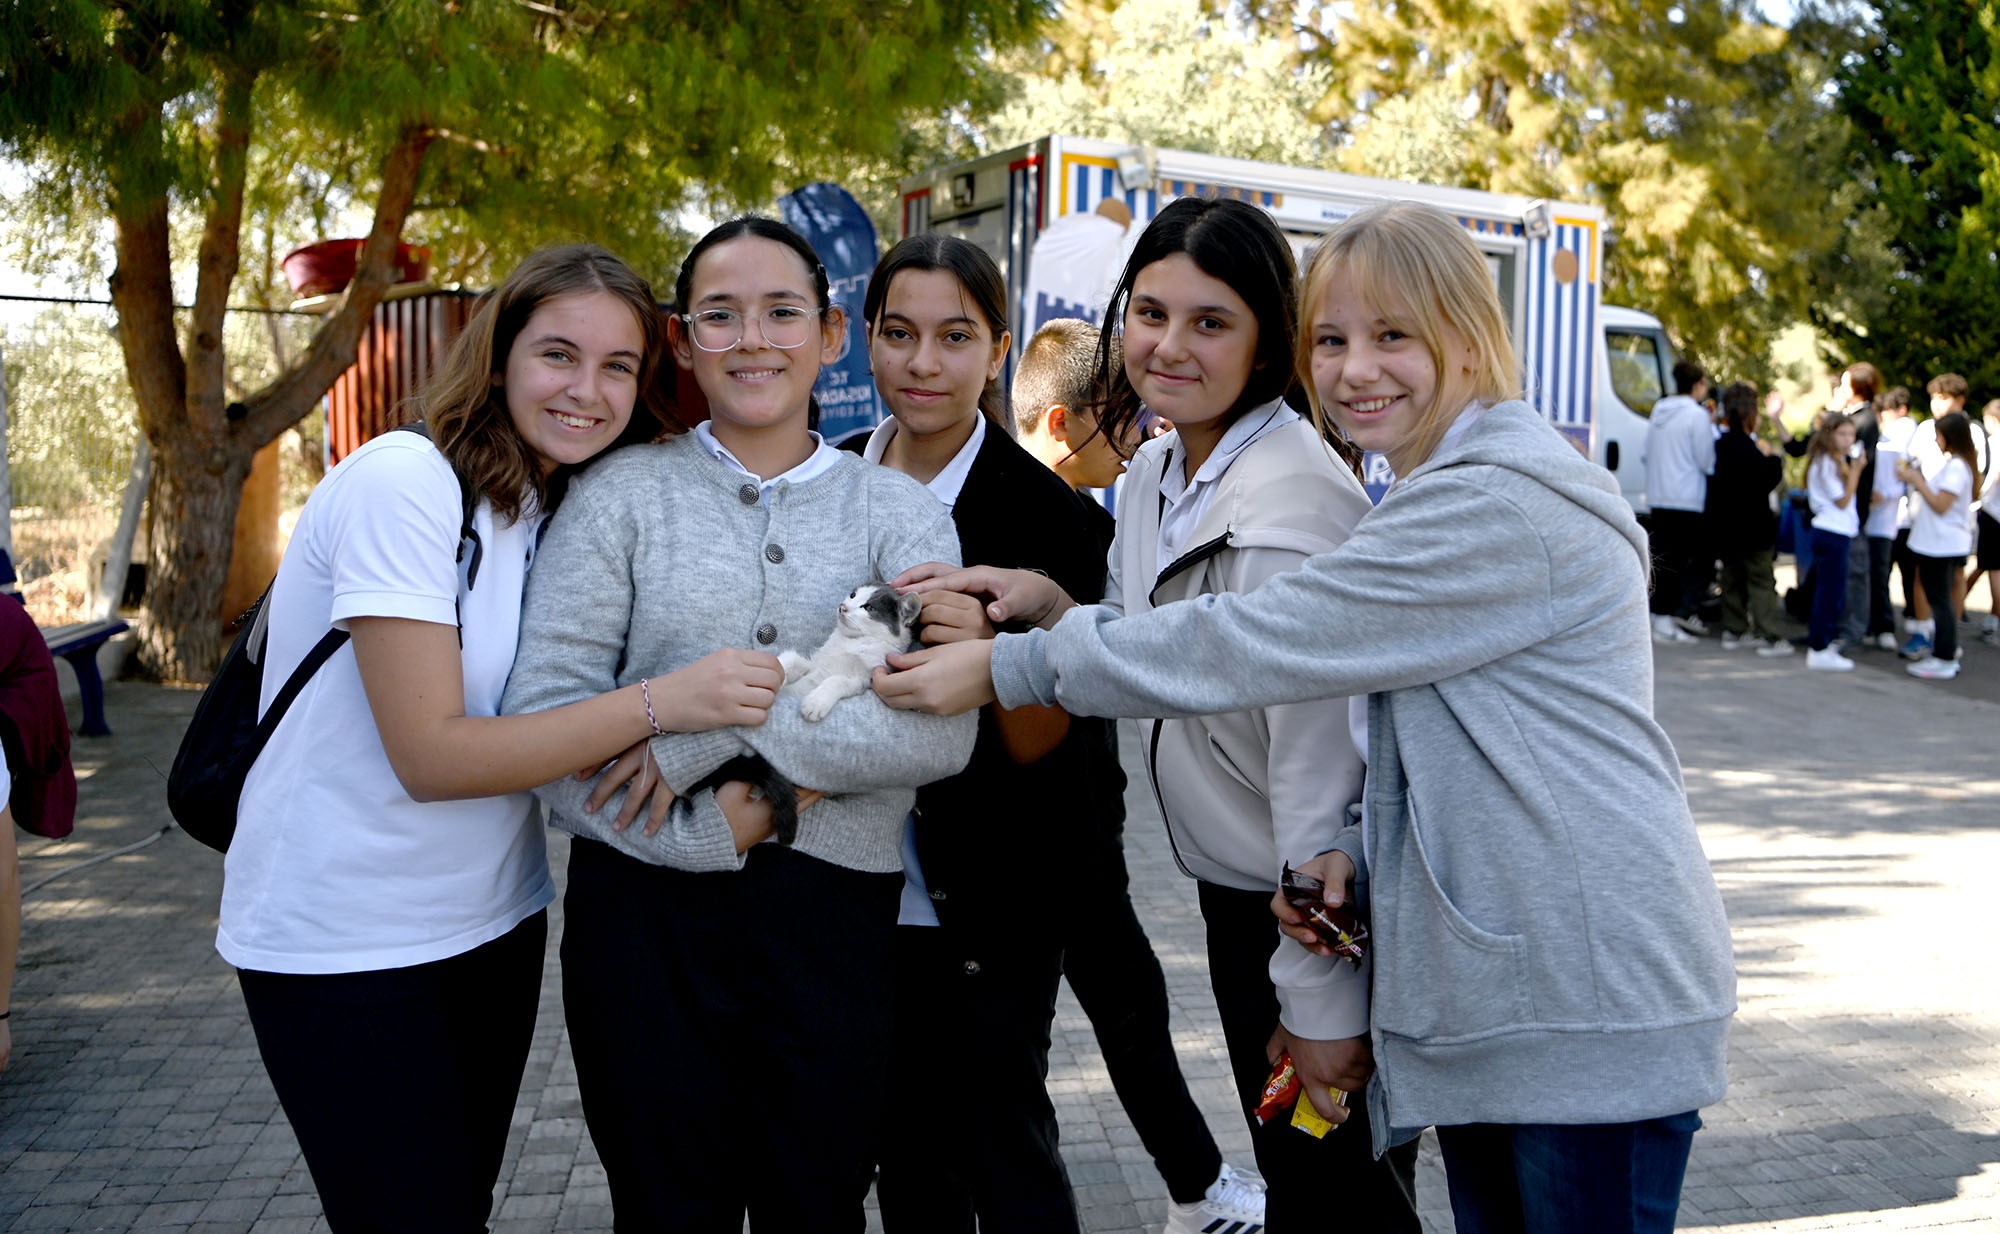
pixel 1851 820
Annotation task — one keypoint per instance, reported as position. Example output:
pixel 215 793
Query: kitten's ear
pixel 908 606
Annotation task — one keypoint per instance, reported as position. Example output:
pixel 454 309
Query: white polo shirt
pixel 334 868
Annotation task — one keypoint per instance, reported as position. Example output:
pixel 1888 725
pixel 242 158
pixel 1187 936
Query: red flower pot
pixel 325 267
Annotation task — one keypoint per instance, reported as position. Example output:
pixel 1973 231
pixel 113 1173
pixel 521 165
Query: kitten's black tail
pixel 761 776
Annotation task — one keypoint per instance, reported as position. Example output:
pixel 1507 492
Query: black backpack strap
pixel 328 643
pixel 468 536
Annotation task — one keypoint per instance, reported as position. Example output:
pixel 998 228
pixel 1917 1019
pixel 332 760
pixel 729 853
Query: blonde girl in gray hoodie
pixel 1553 979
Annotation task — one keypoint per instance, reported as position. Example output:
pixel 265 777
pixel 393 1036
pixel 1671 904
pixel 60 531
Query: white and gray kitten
pixel 873 621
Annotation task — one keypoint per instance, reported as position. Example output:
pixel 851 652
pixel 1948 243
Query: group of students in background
pixel 1440 706
pixel 1883 491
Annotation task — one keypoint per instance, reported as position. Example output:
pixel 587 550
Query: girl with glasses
pixel 729 1008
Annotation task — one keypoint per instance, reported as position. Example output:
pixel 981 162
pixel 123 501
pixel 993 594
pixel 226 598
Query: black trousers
pixel 1677 545
pixel 400 1083
pixel 1117 980
pixel 731 1034
pixel 970 1139
pixel 1935 573
pixel 1312 1185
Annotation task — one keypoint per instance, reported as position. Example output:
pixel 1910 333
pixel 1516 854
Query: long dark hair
pixel 1238 244
pixel 1954 437
pixel 466 405
pixel 977 276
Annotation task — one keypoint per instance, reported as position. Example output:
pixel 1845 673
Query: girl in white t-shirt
pixel 384 898
pixel 1941 536
pixel 1833 471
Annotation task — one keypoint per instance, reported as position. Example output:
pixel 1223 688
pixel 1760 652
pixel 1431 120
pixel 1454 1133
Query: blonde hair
pixel 1418 268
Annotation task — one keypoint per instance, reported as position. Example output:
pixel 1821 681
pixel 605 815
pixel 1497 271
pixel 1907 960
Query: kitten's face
pixel 875 608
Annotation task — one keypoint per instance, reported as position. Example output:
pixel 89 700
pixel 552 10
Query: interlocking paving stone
pixel 1856 867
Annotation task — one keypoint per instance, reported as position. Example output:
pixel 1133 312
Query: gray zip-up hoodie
pixel 1550 945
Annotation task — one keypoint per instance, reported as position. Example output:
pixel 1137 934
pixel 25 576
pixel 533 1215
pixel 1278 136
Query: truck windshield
pixel 1636 370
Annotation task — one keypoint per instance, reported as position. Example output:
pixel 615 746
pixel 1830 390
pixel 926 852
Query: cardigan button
pixel 767 634
pixel 747 494
pixel 936 894
pixel 774 554
pixel 972 968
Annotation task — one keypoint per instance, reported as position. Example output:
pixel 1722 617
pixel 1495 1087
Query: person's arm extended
pixel 1437 581
pixel 413 676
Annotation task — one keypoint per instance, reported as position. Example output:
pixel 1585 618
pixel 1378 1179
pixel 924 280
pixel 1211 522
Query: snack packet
pixel 1283 1090
pixel 1337 925
pixel 1280 1091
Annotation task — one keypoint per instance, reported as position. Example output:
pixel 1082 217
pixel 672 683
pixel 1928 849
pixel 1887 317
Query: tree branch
pixel 279 405
pixel 220 251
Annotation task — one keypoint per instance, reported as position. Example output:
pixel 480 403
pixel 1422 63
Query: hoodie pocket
pixel 1448 979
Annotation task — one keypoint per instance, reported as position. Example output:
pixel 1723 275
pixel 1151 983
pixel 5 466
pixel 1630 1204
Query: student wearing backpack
pixel 385 895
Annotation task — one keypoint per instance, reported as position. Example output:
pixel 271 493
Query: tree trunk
pixel 194 508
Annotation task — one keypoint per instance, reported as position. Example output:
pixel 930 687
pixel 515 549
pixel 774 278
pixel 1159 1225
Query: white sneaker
pixel 1931 668
pixel 1731 642
pixel 1776 647
pixel 1665 631
pixel 1234 1204
pixel 1692 624
pixel 1886 641
pixel 1828 661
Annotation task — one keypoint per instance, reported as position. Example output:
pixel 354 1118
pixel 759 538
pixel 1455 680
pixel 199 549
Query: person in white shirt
pixel 1834 462
pixel 384 897
pixel 1941 536
pixel 1879 527
pixel 1986 536
pixel 1948 393
pixel 1680 457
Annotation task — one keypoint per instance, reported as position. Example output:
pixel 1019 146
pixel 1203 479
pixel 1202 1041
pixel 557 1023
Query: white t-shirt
pixel 1885 510
pixel 1824 488
pixel 334 868
pixel 1948 534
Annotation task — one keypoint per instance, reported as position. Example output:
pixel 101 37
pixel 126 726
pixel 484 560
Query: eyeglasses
pixel 783 326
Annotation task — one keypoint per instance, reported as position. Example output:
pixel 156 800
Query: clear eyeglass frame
pixel 708 320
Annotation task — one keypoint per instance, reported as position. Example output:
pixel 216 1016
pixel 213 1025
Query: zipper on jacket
pixel 1153 778
pixel 1187 561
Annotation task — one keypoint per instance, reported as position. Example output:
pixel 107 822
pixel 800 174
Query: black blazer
pixel 1740 520
pixel 995 840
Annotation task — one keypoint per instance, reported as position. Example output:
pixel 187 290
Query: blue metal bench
pixel 78 644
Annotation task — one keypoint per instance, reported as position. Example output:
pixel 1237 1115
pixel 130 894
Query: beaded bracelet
pixel 646 696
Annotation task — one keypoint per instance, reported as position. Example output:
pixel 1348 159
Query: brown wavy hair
pixel 465 405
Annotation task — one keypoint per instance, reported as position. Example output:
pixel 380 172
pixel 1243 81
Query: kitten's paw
pixel 794 664
pixel 817 707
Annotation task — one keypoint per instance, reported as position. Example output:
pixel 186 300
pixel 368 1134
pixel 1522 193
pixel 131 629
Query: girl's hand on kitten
pixel 636 768
pixel 946 680
pixel 1013 595
pixel 724 689
pixel 952 617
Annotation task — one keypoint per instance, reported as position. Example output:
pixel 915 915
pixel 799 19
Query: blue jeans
pixel 1608 1178
pixel 1829 587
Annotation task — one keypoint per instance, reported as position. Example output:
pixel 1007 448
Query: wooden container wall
pixel 403 346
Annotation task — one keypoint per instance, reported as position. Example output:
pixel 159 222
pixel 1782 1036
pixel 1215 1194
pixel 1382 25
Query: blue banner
pixel 844 236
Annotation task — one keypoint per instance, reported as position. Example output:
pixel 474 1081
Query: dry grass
pixel 54 557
